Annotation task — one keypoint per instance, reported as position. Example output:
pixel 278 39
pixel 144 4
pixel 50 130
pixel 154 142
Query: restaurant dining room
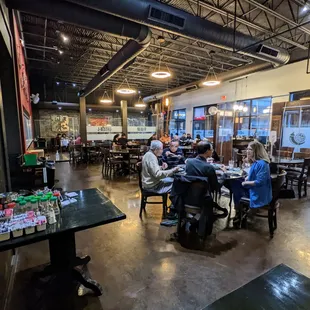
pixel 154 155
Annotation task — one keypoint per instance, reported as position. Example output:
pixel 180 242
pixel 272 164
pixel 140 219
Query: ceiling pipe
pixel 140 35
pixel 168 18
pixel 222 77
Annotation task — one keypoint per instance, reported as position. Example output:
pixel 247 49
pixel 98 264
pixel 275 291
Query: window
pixel 177 123
pixel 254 119
pixel 300 95
pixel 27 130
pixel 203 123
pixel 296 128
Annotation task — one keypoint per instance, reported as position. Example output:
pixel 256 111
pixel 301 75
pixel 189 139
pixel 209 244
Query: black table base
pixel 64 260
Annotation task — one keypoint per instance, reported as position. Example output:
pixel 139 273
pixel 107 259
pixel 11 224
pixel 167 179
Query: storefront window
pixel 203 123
pixel 253 119
pixel 177 123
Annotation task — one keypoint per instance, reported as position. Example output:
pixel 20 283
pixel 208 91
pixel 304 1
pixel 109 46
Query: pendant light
pixel 123 90
pixel 106 98
pixel 140 103
pixel 160 71
pixel 211 78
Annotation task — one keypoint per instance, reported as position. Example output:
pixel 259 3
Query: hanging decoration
pixel 106 98
pixel 140 103
pixel 161 71
pixel 211 78
pixel 125 90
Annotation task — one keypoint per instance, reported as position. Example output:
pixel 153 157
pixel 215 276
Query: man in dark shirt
pixel 173 155
pixel 200 167
pixel 122 141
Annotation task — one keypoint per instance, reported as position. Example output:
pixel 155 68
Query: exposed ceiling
pixel 86 51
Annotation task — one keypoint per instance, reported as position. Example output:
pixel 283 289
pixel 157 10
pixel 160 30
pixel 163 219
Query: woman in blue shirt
pixel 258 181
pixel 257 186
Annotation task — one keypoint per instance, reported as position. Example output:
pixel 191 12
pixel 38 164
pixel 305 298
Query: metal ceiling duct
pixel 167 18
pixel 140 35
pixel 225 76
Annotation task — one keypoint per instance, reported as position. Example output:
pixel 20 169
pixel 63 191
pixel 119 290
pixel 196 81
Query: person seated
pixel 200 166
pixel 257 185
pixel 78 140
pixel 165 139
pixel 115 139
pixel 152 138
pixel 154 177
pixel 57 141
pixel 173 155
pixel 183 139
pixel 189 137
pixel 122 141
pixel 198 139
pixel 176 137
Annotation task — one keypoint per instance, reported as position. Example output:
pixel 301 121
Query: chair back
pixel 277 184
pixel 300 155
pixel 305 150
pixel 305 170
pixel 197 193
pixel 139 169
pixel 134 152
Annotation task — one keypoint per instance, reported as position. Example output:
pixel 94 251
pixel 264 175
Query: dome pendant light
pixel 211 78
pixel 125 90
pixel 160 72
pixel 105 98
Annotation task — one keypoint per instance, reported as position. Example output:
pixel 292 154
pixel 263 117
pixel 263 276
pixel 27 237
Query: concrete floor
pixel 139 269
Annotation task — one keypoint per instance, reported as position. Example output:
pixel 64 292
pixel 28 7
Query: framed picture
pixel 60 123
pixel 276 124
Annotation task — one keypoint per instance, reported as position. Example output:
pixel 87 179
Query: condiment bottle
pixel 54 202
pixel 57 194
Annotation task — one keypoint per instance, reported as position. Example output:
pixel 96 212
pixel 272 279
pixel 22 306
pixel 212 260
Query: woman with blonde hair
pixel 257 186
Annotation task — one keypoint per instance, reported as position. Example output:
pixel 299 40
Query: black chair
pixel 145 194
pixel 299 176
pixel 271 209
pixel 134 158
pixel 75 153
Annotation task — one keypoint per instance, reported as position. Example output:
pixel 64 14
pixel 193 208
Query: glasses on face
pixel 249 149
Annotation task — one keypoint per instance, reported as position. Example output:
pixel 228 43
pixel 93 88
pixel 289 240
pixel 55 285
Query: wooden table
pixel 279 288
pixel 92 209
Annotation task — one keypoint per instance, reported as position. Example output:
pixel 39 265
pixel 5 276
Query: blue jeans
pixel 163 187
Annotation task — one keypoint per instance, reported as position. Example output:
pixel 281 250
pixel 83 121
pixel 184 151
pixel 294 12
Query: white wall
pixel 276 83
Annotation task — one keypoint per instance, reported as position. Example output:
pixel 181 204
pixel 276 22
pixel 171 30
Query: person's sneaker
pixel 171 216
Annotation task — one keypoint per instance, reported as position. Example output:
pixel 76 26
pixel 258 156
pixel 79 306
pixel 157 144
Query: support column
pixel 124 117
pixel 83 131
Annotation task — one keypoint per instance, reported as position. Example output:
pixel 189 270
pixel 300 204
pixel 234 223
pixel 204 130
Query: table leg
pixel 64 260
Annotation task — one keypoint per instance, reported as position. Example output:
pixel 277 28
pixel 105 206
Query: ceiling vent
pixel 192 87
pixel 166 18
pixel 267 50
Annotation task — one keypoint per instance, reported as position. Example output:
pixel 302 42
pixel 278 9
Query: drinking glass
pixel 231 164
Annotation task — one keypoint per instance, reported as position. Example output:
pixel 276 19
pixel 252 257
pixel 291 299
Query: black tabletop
pixel 280 288
pixel 91 209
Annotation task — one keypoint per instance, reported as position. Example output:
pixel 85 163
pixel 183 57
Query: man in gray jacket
pixel 154 177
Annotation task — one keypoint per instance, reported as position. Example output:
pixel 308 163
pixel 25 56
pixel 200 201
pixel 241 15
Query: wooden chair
pixel 134 158
pixel 105 161
pixel 145 194
pixel 305 150
pixel 271 209
pixel 299 177
pixel 75 153
pixel 300 155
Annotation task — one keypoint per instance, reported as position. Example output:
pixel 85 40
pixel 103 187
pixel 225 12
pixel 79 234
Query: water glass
pixel 231 164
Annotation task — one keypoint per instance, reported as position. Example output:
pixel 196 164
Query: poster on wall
pixel 296 138
pixel 93 121
pixel 60 123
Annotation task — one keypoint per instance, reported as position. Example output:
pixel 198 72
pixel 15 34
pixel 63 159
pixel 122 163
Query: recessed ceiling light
pixel 65 38
pixel 60 52
pixel 59 108
pixel 57 83
pixel 73 84
pixel 117 111
pixel 89 110
pixel 305 9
